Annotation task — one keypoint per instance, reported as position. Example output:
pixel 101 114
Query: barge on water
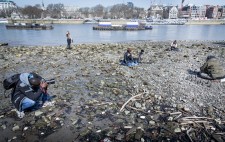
pixel 130 26
pixel 3 21
pixel 4 44
pixel 28 26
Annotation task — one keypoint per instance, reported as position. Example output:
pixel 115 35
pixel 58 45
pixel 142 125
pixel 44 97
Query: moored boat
pixel 4 44
pixel 148 27
pixel 89 21
pixel 3 21
pixel 130 26
pixel 29 26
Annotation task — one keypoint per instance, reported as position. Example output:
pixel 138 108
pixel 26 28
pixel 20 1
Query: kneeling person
pixel 212 69
pixel 30 93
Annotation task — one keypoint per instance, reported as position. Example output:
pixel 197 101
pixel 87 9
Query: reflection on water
pixel 83 33
pixel 105 35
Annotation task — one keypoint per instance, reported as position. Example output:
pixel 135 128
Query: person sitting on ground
pixel 129 60
pixel 30 93
pixel 173 45
pixel 212 69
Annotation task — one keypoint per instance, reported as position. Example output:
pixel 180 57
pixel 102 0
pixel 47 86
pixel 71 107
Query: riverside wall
pixel 48 21
pixel 205 22
pixel 113 21
pixel 61 21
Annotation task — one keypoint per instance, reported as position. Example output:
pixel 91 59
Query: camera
pixel 50 81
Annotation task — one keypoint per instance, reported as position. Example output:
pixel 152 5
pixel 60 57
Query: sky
pixel 139 3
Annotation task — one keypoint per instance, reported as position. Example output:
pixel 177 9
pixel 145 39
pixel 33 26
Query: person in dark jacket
pixel 212 69
pixel 30 91
pixel 69 40
pixel 129 60
pixel 173 46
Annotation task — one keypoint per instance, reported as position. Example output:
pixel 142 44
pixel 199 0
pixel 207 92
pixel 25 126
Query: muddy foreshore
pixel 100 100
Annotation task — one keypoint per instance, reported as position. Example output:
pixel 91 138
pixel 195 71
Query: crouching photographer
pixel 30 92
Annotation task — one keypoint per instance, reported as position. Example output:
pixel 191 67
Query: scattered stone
pixel 186 109
pixel 16 128
pixel 126 112
pixel 138 105
pixel 152 122
pixel 25 128
pixel 142 117
pixel 127 127
pixel 91 92
pixel 177 130
pixel 38 113
pixel 119 137
pixel 3 126
pixel 170 119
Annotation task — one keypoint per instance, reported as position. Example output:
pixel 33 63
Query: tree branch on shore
pixel 130 100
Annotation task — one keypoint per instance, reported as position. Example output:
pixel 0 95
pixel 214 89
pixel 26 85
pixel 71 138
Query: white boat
pixel 4 21
pixel 88 21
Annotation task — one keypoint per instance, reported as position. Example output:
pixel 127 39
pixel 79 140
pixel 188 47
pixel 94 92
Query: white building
pixel 198 12
pixel 6 4
pixel 173 13
pixel 156 11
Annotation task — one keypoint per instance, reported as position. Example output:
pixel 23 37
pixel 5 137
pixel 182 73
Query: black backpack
pixel 10 83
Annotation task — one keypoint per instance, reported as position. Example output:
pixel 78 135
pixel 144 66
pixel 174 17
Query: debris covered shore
pixel 98 99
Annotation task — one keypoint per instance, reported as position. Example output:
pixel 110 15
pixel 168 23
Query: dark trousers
pixel 174 48
pixel 68 43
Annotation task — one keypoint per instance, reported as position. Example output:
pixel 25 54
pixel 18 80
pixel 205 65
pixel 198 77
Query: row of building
pixel 189 11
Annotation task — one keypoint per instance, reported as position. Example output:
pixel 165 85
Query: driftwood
pixel 178 116
pixel 184 119
pixel 130 100
pixel 188 131
pixel 175 113
pixel 195 117
pixel 104 103
pixel 193 122
pixel 219 133
pixel 137 109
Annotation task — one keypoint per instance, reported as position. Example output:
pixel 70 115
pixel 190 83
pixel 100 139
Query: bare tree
pixel 55 10
pixel 137 12
pixel 124 11
pixel 38 6
pixel 98 11
pixel 106 13
pixel 7 12
pixel 32 12
pixel 128 12
pixel 85 11
pixel 118 11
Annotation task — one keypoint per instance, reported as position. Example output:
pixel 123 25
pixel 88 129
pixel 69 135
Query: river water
pixel 83 33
